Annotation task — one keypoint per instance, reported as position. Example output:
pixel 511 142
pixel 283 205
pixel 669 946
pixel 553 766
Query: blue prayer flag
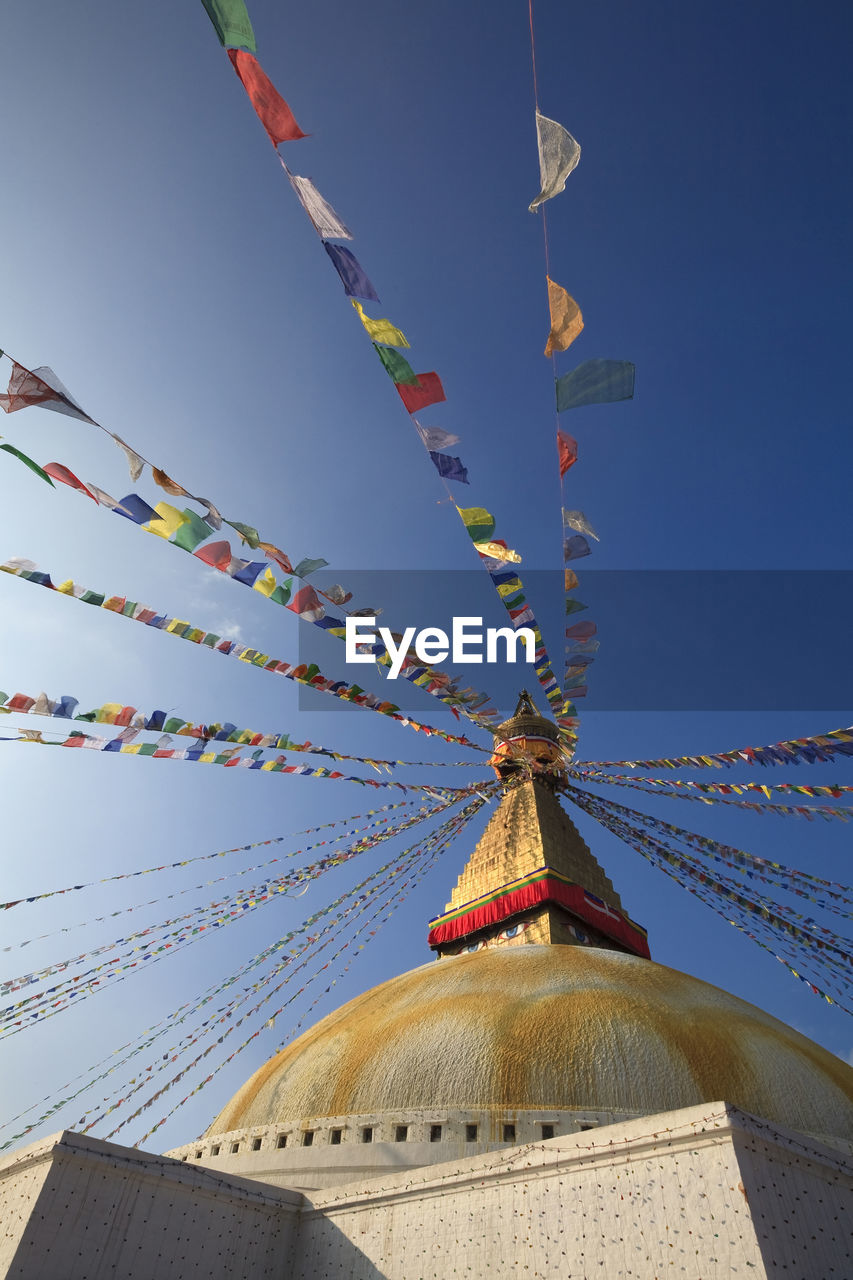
pixel 595 382
pixel 348 267
pixel 449 467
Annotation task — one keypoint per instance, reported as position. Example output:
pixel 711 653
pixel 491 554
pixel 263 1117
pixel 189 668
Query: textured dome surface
pixel 551 1027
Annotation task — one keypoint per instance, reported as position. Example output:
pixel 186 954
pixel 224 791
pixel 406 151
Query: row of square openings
pixel 401 1134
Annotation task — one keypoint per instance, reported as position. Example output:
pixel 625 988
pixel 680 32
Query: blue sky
pixel 157 259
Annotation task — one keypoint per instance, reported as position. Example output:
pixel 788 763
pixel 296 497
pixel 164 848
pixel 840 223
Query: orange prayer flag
pixel 566 318
pixel 170 485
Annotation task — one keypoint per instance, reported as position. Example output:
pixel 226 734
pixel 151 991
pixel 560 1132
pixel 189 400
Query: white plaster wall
pixel 652 1198
pixel 96 1210
pixel 801 1207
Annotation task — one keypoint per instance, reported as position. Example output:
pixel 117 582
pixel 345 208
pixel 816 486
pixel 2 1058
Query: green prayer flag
pixel 574 606
pixel 147 749
pixel 595 382
pixel 396 366
pixel 281 595
pixel 173 725
pixel 28 462
pixel 308 565
pixel 249 535
pixel 93 597
pixel 479 522
pixel 232 23
pixel 192 532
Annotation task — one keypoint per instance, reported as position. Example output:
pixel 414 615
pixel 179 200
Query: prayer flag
pixel 567 449
pixel 566 318
pixel 326 222
pixel 216 554
pixel 578 521
pixel 272 110
pixel 193 531
pixel 396 366
pixel 40 387
pixel 595 382
pixel 352 273
pixel 479 523
pixel 307 604
pixel 575 606
pixel 448 467
pixel 134 508
pixel 249 572
pixel 308 565
pixel 576 547
pixel 427 391
pixel 273 553
pixel 570 579
pixel 231 22
pixel 246 532
pixel 135 464
pixel 166 482
pixel 266 582
pixel 381 330
pixel 581 631
pixel 497 551
pixel 559 154
pixel 435 438
pixel 41 472
pixel 168 522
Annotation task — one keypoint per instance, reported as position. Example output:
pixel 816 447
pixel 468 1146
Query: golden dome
pixel 556 1028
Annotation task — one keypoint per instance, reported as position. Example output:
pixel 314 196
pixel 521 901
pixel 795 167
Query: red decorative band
pixel 544 887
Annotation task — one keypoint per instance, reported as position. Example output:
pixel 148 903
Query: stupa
pixel 540 1096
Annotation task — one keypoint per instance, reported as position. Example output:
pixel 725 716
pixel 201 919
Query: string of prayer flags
pixel 728 899
pixel 396 366
pixel 302 673
pixel 40 387
pixel 559 154
pixel 436 438
pixel 428 390
pixel 326 222
pixel 828 813
pixel 41 472
pixel 595 382
pixel 834 790
pixel 221 853
pixel 381 330
pixel 231 23
pixel 352 274
pixel 199 755
pixel 449 468
pixel 270 107
pixel 567 451
pixel 566 318
pixel 819 749
pixel 577 520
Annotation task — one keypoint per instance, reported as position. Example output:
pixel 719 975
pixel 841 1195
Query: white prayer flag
pixel 326 222
pixel 559 154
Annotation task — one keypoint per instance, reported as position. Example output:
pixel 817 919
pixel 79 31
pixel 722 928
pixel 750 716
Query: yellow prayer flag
pixel 169 522
pixel 107 713
pixel 495 551
pixel 66 588
pixel 381 330
pixel 570 580
pixel 266 583
pixel 566 318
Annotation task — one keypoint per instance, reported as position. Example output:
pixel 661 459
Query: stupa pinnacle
pixel 532 877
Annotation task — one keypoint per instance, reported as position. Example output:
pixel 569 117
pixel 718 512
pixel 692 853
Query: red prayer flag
pixel 428 390
pixel 216 554
pixel 307 604
pixel 272 110
pixel 567 448
pixel 24 389
pixel 58 472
